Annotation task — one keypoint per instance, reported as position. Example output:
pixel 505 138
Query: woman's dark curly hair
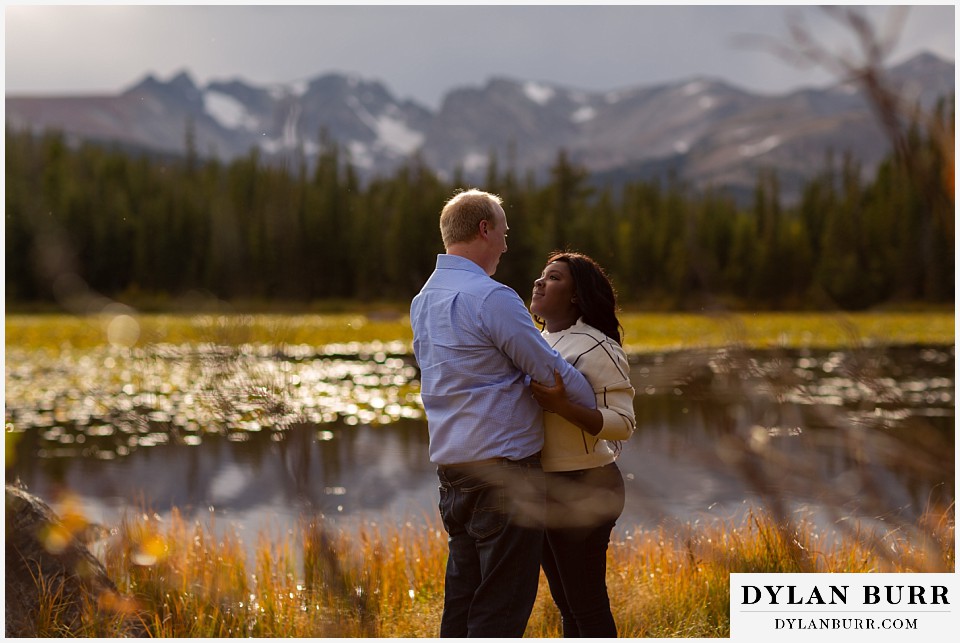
pixel 596 297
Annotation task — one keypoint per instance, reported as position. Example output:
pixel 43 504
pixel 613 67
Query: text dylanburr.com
pixel 843 607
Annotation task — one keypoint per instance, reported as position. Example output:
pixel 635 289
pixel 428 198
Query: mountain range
pixel 704 131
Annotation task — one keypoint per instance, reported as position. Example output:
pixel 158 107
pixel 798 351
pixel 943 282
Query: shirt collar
pixel 453 262
pixel 577 325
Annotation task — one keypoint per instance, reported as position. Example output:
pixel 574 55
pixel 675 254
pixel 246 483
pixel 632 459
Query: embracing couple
pixel 524 427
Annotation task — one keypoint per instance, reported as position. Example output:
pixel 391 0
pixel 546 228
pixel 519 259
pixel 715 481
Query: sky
pixel 422 51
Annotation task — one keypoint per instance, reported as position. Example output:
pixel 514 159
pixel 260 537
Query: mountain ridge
pixel 705 131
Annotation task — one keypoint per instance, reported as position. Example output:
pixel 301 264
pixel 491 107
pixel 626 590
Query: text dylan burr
pixel 838 595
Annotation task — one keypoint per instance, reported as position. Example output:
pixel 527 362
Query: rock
pixel 51 575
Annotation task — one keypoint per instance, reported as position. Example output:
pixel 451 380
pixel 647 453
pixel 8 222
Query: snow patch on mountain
pixel 291 126
pixel 583 114
pixel 295 89
pixel 299 88
pixel 395 134
pixel 360 155
pixel 228 111
pixel 538 93
pixel 705 101
pixel 613 97
pixel 762 147
pixel 475 161
pixel 391 132
pixel 270 145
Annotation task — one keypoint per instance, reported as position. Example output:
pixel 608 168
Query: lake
pixel 256 436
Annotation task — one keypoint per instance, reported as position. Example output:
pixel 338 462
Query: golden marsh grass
pixel 182 580
pixel 644 332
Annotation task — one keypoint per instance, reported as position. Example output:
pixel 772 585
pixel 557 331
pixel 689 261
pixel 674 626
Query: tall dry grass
pixel 186 579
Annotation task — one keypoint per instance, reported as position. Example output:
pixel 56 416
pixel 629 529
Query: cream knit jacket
pixel 602 361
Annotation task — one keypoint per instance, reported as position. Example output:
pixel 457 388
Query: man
pixel 477 348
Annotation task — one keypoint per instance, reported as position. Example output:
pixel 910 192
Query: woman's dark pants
pixel 583 507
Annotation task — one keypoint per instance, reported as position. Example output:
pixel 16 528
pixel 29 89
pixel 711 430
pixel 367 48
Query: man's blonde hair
pixel 462 214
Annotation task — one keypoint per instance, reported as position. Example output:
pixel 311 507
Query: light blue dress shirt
pixel 476 346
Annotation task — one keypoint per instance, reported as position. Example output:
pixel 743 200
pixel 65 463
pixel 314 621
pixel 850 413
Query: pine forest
pixel 144 228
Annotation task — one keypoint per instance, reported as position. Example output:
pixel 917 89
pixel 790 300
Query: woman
pixel 575 304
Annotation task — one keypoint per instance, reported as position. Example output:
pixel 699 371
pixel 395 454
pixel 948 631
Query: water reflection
pixel 264 433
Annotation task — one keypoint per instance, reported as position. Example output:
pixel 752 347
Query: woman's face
pixel 554 293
